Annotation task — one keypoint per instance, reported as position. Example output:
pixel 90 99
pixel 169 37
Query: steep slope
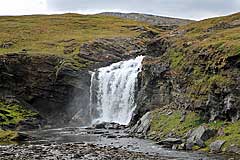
pixel 195 77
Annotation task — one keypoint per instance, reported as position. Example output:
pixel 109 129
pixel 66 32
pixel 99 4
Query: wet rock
pixel 32 123
pixel 108 125
pixel 21 137
pixel 170 142
pixel 143 125
pixel 233 149
pixel 198 136
pixel 216 146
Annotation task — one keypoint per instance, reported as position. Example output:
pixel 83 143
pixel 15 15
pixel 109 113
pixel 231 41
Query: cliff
pixel 193 80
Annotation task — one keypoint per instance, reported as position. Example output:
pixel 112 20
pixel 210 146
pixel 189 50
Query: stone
pixel 181 146
pixel 108 125
pixel 170 142
pixel 183 116
pixel 216 146
pixel 21 137
pixel 143 125
pixel 6 45
pixel 199 136
pixel 233 149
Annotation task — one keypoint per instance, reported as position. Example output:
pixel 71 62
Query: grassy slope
pixel 163 124
pixel 218 44
pixel 12 114
pixel 50 34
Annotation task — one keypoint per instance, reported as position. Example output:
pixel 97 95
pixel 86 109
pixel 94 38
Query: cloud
pixel 22 7
pixel 193 9
pixel 196 9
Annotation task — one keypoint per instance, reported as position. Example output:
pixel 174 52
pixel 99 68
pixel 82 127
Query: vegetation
pixel 231 134
pixel 56 34
pixel 206 49
pixel 11 114
pixel 7 137
pixel 163 125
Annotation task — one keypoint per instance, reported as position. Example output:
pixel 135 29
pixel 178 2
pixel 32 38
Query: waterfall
pixel 114 88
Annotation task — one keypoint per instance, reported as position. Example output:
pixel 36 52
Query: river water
pixel 66 143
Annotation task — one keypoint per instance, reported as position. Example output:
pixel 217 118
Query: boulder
pixel 108 125
pixel 198 136
pixel 21 137
pixel 170 142
pixel 216 146
pixel 143 125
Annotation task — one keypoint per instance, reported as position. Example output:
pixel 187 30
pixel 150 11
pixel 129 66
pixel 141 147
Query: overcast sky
pixel 191 9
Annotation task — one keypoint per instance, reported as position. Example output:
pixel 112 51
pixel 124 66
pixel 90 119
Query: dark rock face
pixel 157 47
pixel 155 87
pixel 54 91
pixel 160 85
pixel 104 52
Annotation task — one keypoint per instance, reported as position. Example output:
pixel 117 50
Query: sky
pixel 189 9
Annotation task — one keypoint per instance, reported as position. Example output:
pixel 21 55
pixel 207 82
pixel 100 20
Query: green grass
pixel 163 124
pixel 231 135
pixel 218 45
pixel 54 33
pixel 7 137
pixel 13 113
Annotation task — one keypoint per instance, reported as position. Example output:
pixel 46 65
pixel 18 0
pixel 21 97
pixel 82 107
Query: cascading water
pixel 114 91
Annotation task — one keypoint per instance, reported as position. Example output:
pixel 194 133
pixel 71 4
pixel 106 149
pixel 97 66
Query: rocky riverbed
pixel 91 143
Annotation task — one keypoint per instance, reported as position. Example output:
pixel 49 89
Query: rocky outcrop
pixel 216 146
pixel 58 87
pixel 141 128
pixel 184 69
pixel 155 87
pixel 199 136
pixel 162 22
pixel 197 78
pixel 44 83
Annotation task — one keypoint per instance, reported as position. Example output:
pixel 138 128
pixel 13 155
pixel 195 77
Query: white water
pixel 115 91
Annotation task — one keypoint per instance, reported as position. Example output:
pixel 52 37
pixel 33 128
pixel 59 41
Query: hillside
pixel 59 34
pixel 195 82
pixel 151 19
